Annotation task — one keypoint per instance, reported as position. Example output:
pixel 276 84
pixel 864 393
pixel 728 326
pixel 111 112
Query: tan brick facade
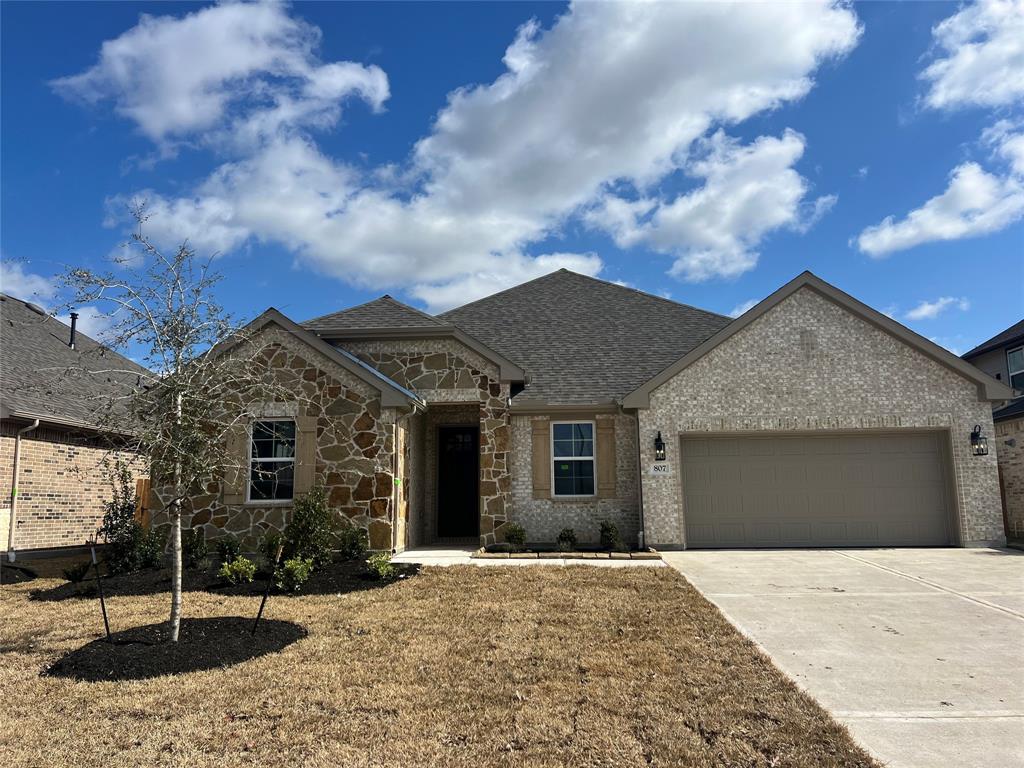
pixel 1008 446
pixel 810 365
pixel 63 484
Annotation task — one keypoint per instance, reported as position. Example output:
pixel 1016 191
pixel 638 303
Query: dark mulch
pixel 144 652
pixel 335 578
pixel 15 574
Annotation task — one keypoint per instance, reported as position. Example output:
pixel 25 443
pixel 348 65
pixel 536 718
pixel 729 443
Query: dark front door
pixel 458 472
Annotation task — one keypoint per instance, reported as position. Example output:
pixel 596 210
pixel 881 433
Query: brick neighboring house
pixel 1002 357
pixel 51 391
pixel 811 420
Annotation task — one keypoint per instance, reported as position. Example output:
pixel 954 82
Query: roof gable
pixel 1012 335
pixel 385 312
pixel 988 388
pixel 583 340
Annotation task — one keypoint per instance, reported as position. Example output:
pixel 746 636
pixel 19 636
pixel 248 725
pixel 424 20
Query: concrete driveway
pixel 920 652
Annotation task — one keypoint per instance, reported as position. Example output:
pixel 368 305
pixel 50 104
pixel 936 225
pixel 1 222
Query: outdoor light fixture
pixel 659 448
pixel 979 443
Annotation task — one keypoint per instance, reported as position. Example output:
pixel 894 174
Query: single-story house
pixel 56 385
pixel 1002 357
pixel 810 420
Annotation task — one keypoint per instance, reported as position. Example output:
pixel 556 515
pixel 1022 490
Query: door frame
pixel 438 429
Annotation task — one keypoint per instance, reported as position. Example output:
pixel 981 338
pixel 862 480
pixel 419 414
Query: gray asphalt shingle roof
pixel 584 340
pixel 41 375
pixel 384 312
pixel 1012 334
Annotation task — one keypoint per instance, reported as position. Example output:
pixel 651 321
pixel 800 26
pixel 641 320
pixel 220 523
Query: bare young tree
pixel 205 372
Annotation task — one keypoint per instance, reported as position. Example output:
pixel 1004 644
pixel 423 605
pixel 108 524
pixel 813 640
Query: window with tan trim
pixel 572 458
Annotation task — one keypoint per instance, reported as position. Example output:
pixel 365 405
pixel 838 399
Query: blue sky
pixel 438 152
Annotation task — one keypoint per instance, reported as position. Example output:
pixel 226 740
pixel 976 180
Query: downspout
pixel 14 487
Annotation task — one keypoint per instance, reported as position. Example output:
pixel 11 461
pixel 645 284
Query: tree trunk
pixel 176 541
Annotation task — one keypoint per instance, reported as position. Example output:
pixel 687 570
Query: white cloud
pixel 92 321
pixel 1006 139
pixel 929 310
pixel 739 309
pixel 862 172
pixel 975 203
pixel 15 281
pixel 982 57
pixel 611 97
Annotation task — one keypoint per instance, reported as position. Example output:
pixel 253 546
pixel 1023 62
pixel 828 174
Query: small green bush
pixel 268 547
pixel 515 535
pixel 193 547
pixel 293 573
pixel 151 548
pixel 119 529
pixel 77 572
pixel 311 529
pixel 566 540
pixel 351 540
pixel 228 549
pixel 610 539
pixel 241 570
pixel 381 566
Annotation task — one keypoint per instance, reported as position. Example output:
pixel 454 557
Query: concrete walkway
pixel 919 652
pixel 462 556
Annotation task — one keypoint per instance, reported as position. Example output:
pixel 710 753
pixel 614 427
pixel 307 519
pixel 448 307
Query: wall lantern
pixel 659 448
pixel 979 443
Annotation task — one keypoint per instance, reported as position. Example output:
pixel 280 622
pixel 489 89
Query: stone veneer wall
pixel 443 371
pixel 63 483
pixel 1011 468
pixel 353 457
pixel 810 365
pixel 544 518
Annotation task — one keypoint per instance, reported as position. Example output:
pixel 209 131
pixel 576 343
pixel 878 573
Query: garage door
pixel 816 491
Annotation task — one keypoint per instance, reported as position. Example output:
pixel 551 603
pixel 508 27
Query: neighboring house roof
pixel 584 340
pixel 384 312
pixel 392 393
pixel 1012 411
pixel 42 377
pixel 988 388
pixel 1011 336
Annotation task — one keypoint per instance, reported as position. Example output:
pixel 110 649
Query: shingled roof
pixel 384 312
pixel 584 340
pixel 1011 335
pixel 42 377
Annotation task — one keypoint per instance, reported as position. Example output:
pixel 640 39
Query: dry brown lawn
pixel 465 666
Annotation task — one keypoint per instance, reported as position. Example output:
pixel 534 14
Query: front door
pixel 458 473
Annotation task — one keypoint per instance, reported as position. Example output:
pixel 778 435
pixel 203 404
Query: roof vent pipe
pixel 74 322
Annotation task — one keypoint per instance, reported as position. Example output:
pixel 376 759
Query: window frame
pixel 592 458
pixel 252 459
pixel 1010 372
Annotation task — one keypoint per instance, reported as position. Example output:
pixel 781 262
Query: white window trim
pixel 294 460
pixel 1009 372
pixel 592 458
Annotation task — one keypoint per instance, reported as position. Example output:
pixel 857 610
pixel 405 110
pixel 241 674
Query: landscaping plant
pixel 610 539
pixel 228 548
pixel 293 573
pixel 566 541
pixel 381 566
pixel 77 572
pixel 119 529
pixel 268 547
pixel 194 547
pixel 351 540
pixel 241 570
pixel 515 536
pixel 311 529
pixel 152 544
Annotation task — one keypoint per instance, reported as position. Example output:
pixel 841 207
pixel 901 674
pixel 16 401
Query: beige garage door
pixel 816 491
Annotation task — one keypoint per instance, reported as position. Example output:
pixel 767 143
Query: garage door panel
pixel 835 490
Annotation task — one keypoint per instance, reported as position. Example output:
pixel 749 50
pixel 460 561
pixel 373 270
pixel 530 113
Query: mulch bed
pixel 140 653
pixel 15 574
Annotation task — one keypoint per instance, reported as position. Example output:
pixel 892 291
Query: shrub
pixel 119 529
pixel 566 540
pixel 77 572
pixel 151 548
pixel 381 566
pixel 268 547
pixel 309 532
pixel 228 549
pixel 610 538
pixel 352 541
pixel 241 570
pixel 293 573
pixel 194 547
pixel 515 535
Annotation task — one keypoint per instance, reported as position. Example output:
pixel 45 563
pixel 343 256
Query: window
pixel 1015 365
pixel 572 453
pixel 272 464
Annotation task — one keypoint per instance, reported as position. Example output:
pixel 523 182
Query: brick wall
pixel 63 485
pixel 1011 467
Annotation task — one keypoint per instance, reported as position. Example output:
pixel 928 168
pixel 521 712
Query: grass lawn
pixel 467 666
